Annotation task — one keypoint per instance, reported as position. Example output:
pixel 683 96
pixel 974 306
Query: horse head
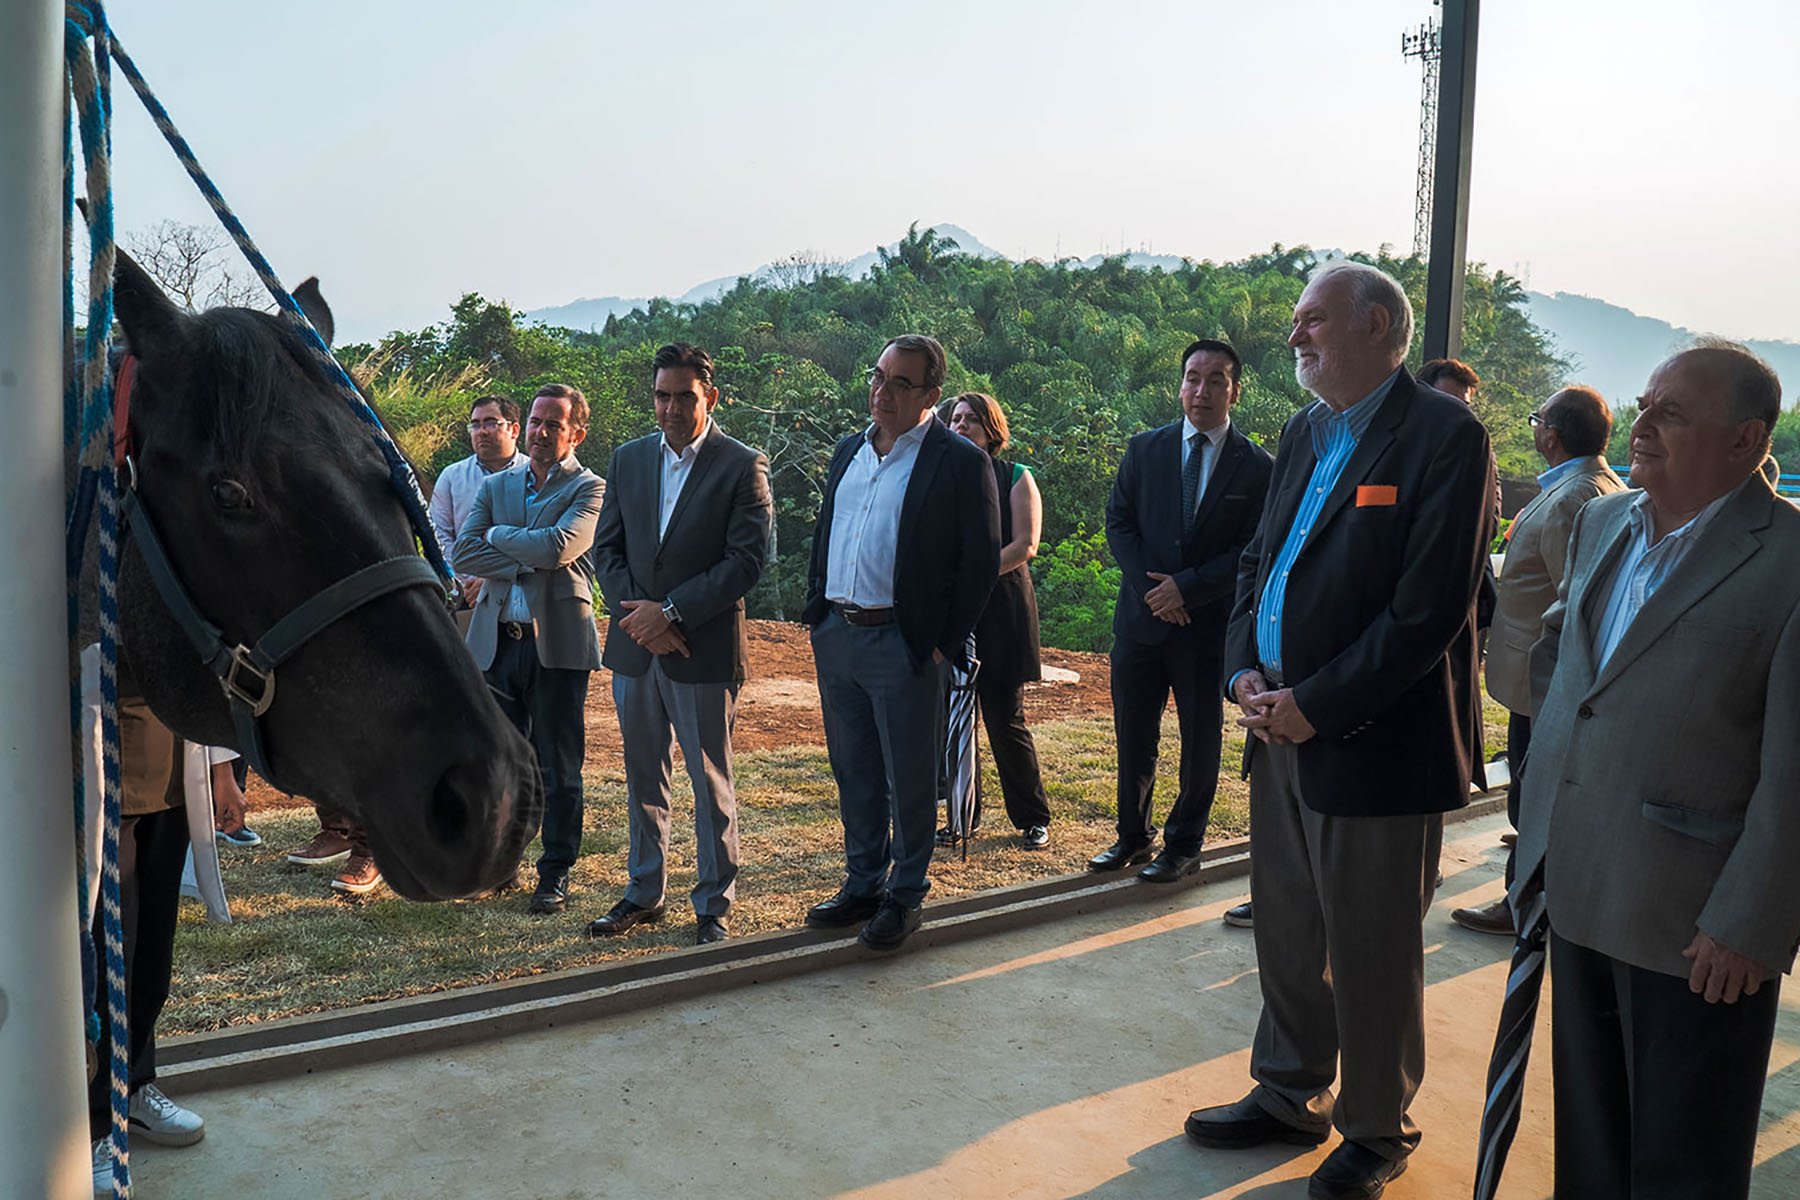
pixel 266 489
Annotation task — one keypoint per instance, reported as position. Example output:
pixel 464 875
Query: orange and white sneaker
pixel 359 876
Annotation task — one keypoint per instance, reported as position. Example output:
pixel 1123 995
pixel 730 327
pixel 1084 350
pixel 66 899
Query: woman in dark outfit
pixel 1006 637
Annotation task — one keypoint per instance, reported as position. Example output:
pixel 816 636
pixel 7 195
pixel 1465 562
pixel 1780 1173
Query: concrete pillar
pixel 43 1107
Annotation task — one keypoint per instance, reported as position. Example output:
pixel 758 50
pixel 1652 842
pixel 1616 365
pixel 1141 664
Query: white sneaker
pixel 103 1172
pixel 156 1118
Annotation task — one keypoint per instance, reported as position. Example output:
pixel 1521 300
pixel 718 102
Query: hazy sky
pixel 1640 151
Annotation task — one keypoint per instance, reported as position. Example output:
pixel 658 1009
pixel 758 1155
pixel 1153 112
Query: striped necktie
pixel 1190 477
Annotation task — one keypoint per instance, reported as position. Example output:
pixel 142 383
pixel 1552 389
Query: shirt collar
pixel 692 448
pixel 915 434
pixel 1638 517
pixel 519 458
pixel 1214 435
pixel 1563 470
pixel 567 466
pixel 1359 416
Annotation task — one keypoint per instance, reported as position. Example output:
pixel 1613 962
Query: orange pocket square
pixel 1377 495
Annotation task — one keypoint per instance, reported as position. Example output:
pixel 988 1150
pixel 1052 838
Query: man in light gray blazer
pixel 683 535
pixel 1570 430
pixel 532 632
pixel 1661 807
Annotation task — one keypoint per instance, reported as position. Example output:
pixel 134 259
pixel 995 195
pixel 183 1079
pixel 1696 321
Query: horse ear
pixel 149 317
pixel 317 311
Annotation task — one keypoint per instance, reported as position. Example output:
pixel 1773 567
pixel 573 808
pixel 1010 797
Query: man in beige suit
pixel 1661 809
pixel 532 632
pixel 1570 430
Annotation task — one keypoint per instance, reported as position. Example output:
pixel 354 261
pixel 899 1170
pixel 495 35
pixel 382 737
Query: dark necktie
pixel 1190 477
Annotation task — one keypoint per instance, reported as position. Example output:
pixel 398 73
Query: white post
pixel 43 1107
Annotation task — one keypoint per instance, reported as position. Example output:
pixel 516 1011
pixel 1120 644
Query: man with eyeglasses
pixel 532 632
pixel 494 436
pixel 904 554
pixel 1570 431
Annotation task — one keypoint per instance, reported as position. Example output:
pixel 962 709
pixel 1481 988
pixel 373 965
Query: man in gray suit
pixel 682 538
pixel 532 632
pixel 1661 809
pixel 1570 431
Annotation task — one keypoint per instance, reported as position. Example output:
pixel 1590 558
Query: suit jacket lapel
pixel 931 451
pixel 704 457
pixel 1375 441
pixel 1722 549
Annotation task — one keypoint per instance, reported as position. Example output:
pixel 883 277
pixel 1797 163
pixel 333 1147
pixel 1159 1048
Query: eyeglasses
pixel 1536 419
pixel 879 379
pixel 487 425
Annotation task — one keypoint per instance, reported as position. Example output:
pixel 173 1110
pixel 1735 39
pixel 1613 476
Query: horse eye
pixel 230 494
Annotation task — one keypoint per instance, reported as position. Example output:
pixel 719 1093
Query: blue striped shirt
pixel 1646 567
pixel 1334 439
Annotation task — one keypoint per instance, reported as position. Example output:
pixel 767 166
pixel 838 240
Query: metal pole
pixel 1450 199
pixel 43 1107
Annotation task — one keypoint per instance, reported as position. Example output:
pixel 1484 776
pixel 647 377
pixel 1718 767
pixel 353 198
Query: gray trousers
pixel 700 715
pixel 1340 951
pixel 884 731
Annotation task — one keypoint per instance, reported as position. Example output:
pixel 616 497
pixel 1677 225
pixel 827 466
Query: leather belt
pixel 865 617
pixel 515 630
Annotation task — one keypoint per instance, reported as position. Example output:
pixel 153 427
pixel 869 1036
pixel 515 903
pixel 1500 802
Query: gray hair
pixel 1370 288
pixel 1755 388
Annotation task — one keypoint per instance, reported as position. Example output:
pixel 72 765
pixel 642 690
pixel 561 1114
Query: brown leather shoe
pixel 1509 840
pixel 1496 918
pixel 359 876
pixel 328 846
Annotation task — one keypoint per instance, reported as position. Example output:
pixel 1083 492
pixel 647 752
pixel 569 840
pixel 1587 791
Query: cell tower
pixel 1425 45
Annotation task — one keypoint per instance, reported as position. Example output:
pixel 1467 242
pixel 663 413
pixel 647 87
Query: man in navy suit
pixel 1352 653
pixel 1184 504
pixel 905 552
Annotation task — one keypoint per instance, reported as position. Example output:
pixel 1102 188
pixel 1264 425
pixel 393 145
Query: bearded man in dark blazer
pixel 1184 504
pixel 904 554
pixel 1352 653
pixel 683 536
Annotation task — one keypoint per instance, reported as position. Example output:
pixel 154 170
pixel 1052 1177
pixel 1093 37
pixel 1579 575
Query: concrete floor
pixel 1055 1062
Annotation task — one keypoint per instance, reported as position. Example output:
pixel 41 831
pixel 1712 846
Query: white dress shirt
pixel 1645 567
pixel 865 521
pixel 453 498
pixel 676 467
pixel 1216 436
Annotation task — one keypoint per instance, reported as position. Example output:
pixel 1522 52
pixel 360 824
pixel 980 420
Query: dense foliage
pixel 1080 358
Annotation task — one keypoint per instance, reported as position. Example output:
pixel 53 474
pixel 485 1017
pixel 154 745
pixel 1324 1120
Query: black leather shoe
pixel 621 917
pixel 1241 916
pixel 1118 856
pixel 1244 1124
pixel 1495 918
pixel 1169 866
pixel 1354 1172
pixel 845 908
pixel 710 929
pixel 893 924
pixel 551 896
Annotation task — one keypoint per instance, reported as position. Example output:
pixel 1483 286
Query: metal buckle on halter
pixel 243 664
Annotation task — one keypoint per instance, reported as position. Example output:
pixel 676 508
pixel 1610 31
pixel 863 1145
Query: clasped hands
pixel 1270 713
pixel 646 625
pixel 1165 599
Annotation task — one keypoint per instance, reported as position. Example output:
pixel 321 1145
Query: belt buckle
pixel 515 631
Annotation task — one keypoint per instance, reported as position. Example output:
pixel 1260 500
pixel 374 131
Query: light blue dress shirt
pixel 1334 439
pixel 1646 567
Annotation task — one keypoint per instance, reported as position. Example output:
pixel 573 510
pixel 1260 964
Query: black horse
pixel 266 489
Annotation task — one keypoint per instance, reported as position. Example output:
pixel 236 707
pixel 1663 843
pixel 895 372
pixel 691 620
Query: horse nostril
pixel 447 815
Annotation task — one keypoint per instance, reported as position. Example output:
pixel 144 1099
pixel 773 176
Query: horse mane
pixel 250 368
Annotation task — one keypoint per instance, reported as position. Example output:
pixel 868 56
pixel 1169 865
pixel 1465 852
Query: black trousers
pixel 1518 745
pixel 549 706
pixel 152 850
pixel 1187 664
pixel 1658 1093
pixel 1015 754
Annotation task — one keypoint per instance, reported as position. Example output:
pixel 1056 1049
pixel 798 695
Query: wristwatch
pixel 671 613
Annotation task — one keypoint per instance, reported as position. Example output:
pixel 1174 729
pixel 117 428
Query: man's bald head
pixel 1581 419
pixel 1749 383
